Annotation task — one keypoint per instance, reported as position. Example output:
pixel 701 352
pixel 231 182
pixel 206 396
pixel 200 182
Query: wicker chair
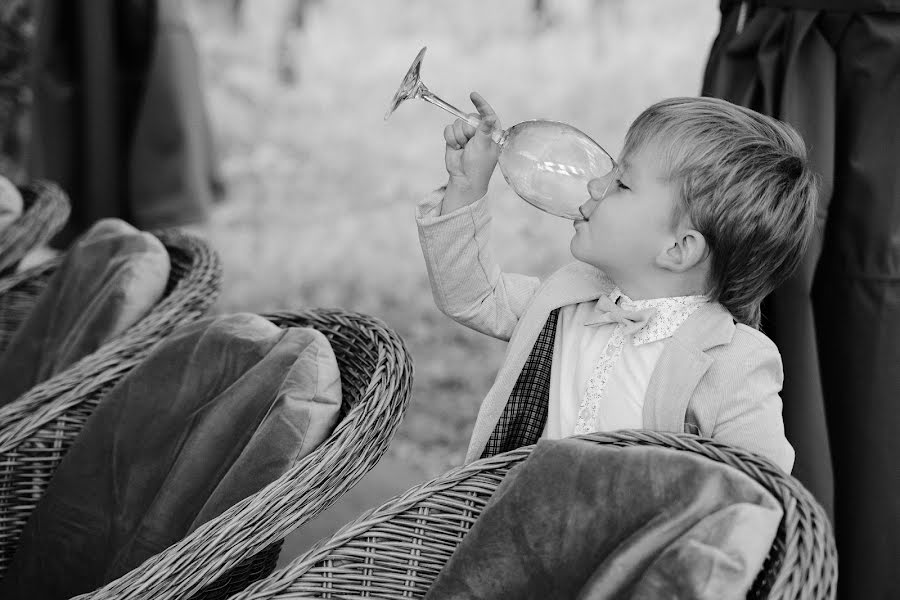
pixel 37 428
pixel 46 211
pixel 241 545
pixel 397 549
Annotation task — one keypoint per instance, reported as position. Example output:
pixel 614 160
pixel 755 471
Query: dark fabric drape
pixel 117 117
pixel 835 76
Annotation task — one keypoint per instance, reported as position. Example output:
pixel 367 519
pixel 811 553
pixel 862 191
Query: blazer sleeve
pixel 750 416
pixel 466 282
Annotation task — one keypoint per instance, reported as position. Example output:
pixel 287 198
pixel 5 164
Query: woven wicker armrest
pixel 397 549
pixel 46 211
pixel 17 296
pixel 241 545
pixel 37 428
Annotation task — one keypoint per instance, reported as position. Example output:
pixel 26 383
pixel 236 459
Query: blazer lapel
pixel 682 365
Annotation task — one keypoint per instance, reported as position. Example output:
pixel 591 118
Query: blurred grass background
pixel 321 190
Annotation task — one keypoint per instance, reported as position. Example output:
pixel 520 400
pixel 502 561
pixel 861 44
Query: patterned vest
pixel 525 414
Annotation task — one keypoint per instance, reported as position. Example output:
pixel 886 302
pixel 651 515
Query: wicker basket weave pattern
pixel 37 428
pixel 17 296
pixel 396 550
pixel 46 211
pixel 240 546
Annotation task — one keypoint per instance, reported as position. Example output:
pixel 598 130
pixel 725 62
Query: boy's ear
pixel 687 250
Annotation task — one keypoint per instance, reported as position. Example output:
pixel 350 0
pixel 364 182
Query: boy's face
pixel 624 231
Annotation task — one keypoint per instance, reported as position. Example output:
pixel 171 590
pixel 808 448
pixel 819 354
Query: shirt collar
pixel 670 313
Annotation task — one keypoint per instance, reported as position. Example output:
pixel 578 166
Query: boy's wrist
pixel 459 194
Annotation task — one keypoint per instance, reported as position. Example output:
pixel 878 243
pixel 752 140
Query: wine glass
pixel 547 163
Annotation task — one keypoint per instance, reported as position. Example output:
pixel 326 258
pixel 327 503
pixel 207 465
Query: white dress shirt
pixel 579 347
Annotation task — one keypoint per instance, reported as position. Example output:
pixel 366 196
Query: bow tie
pixel 608 311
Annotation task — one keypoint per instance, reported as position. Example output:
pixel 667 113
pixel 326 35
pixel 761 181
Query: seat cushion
pixel 584 520
pixel 217 411
pixel 109 279
pixel 11 204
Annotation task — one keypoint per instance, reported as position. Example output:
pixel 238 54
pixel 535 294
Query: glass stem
pixel 498 135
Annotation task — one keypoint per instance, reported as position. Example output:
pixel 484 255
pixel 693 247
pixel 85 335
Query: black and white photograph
pixel 449 299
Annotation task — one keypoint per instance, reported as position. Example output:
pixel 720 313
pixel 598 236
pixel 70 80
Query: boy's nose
pixel 587 208
pixel 596 189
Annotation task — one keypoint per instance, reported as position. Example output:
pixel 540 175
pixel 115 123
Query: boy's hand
pixel 470 156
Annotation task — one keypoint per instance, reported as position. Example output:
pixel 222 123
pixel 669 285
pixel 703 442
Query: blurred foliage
pixel 17 27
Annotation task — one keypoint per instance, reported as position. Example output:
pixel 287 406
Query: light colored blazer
pixel 714 378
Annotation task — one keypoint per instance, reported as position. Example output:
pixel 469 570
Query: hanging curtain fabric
pixel 830 68
pixel 118 118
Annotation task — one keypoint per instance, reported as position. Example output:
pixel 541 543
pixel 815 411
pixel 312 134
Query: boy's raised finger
pixel 481 105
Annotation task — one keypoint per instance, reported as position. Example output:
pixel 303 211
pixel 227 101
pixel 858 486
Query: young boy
pixel 654 327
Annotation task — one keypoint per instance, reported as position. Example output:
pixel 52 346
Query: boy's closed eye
pixel 621 185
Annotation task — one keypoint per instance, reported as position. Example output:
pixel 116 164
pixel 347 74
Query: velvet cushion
pixel 11 204
pixel 217 411
pixel 582 520
pixel 110 278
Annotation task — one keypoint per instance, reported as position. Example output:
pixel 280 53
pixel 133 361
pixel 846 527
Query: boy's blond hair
pixel 744 183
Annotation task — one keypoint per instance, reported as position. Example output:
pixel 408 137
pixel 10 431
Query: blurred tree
pixel 286 66
pixel 16 36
